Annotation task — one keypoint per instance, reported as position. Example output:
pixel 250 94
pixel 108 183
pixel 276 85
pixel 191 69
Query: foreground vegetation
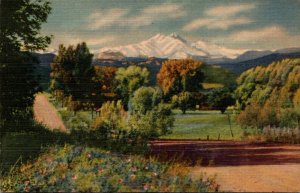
pixel 78 168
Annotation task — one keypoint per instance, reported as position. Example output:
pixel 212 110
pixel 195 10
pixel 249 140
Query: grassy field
pixel 200 124
pixel 212 85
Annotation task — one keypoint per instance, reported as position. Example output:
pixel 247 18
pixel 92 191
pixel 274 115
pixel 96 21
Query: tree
pixel 184 101
pixel 20 22
pixel 177 76
pixel 220 99
pixel 148 116
pixel 275 89
pixel 296 102
pixel 129 80
pixel 250 116
pixel 73 74
pixel 111 120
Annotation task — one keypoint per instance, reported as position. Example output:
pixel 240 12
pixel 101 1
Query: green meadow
pixel 201 124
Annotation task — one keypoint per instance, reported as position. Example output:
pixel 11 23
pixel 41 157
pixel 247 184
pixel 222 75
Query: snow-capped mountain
pixel 172 46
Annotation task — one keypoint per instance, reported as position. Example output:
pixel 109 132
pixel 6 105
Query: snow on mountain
pixel 173 47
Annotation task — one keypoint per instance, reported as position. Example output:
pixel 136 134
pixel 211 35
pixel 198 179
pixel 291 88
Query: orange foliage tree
pixel 177 76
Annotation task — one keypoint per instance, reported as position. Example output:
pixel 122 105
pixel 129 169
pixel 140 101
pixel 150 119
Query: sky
pixel 261 24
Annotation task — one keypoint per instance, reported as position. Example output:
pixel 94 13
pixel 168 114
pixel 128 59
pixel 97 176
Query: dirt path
pixel 240 166
pixel 45 112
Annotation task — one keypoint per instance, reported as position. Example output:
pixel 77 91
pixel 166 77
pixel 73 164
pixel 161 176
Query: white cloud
pixel 229 10
pixel 221 17
pixel 73 39
pixel 271 37
pixel 169 10
pixel 216 23
pixel 146 16
pixel 102 18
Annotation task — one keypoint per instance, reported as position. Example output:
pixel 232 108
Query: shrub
pixel 148 116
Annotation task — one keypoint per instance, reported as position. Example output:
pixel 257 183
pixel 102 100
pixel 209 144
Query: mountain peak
pixel 175 47
pixel 174 35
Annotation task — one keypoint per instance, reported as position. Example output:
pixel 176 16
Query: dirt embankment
pixel 240 166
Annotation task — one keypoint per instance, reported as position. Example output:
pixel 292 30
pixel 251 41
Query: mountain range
pixel 174 46
pixel 155 50
pixel 170 46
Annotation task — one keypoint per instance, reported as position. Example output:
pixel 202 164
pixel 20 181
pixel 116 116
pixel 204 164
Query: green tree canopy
pixel 220 99
pixel 129 80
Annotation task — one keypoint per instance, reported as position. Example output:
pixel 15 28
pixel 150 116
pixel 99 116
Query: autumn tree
pixel 177 76
pixel 250 116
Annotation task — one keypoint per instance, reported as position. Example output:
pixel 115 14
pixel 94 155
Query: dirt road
pixel 45 113
pixel 240 166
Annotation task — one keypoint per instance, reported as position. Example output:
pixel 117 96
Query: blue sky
pixel 262 24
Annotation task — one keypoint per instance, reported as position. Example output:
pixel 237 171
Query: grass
pixel 19 147
pixel 200 124
pixel 212 85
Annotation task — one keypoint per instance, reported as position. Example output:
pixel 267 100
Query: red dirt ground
pixel 240 166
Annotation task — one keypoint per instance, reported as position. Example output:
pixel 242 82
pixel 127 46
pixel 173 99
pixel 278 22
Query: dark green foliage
pixel 220 99
pixel 20 23
pixel 73 77
pixel 216 74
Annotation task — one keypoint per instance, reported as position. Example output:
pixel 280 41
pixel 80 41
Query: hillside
pixel 265 60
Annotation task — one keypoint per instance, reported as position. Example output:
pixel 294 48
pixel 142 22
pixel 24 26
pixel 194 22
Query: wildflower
pixel 154 174
pixel 146 168
pixel 146 187
pixel 74 177
pixel 27 182
pixel 89 155
pixel 120 181
pixel 26 189
pixel 132 177
pixel 133 169
pixel 129 160
pixel 100 170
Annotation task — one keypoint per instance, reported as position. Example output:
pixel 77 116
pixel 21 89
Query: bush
pixel 148 116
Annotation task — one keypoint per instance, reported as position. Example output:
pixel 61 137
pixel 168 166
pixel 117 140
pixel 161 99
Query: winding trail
pixel 239 166
pixel 45 113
